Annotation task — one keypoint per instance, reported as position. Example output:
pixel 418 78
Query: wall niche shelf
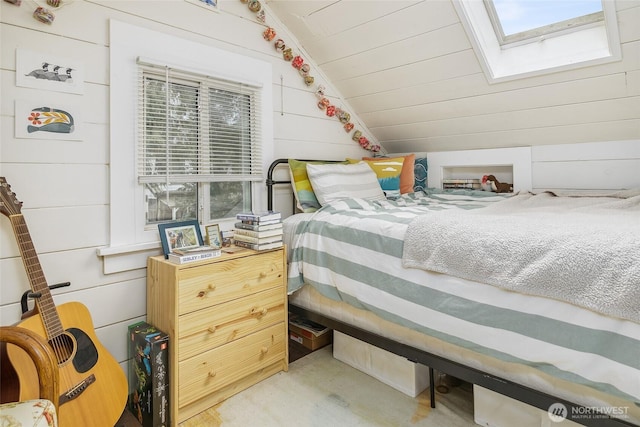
pixel 512 165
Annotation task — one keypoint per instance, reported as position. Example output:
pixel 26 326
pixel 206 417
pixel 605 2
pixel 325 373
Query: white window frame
pixel 593 44
pixel 577 23
pixel 205 176
pixel 130 242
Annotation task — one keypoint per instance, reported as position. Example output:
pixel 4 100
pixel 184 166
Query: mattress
pixel 346 263
pixel 309 298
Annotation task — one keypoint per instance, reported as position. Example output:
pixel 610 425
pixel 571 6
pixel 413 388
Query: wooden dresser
pixel 227 322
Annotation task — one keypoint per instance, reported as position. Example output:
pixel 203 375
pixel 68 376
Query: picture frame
pixel 212 5
pixel 179 235
pixel 43 71
pixel 48 119
pixel 214 236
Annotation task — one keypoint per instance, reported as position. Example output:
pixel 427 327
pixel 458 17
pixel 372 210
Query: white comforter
pixel 583 250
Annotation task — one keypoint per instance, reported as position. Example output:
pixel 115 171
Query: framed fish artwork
pixel 48 72
pixel 47 120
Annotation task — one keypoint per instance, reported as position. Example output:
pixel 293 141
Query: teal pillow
pixel 420 172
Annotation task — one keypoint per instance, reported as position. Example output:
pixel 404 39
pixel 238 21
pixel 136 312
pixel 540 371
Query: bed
pixel 356 266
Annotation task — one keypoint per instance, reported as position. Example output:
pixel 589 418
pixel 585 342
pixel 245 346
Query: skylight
pixel 522 38
pixel 518 20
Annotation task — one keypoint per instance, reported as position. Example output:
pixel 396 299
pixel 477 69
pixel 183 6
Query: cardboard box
pixel 148 375
pixel 491 409
pixel 310 334
pixel 408 377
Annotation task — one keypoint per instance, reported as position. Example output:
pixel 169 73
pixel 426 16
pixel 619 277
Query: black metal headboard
pixel 271 182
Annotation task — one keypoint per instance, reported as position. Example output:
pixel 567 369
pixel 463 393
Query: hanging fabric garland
pixel 304 69
pixel 41 13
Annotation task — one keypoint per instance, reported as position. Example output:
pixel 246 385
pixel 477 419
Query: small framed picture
pixel 180 235
pixel 212 5
pixel 214 237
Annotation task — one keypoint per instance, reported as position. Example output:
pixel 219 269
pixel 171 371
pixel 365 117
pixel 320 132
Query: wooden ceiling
pixel 408 70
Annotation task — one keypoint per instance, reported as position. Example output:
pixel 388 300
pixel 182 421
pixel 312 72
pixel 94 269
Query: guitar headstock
pixel 9 205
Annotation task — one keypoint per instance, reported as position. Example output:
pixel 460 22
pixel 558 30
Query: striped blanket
pixel 351 251
pixel 375 225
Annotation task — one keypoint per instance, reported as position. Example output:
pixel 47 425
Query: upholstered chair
pixel 37 412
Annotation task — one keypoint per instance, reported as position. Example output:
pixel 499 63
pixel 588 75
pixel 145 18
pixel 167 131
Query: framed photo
pixel 214 237
pixel 179 235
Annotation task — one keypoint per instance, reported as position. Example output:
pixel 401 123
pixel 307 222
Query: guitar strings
pixel 46 307
pixel 62 347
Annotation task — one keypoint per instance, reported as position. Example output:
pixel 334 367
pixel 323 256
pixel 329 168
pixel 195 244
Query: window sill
pixel 117 259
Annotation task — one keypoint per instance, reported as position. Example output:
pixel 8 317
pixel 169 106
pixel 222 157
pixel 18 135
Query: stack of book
pixel 258 231
pixel 185 255
pixel 472 184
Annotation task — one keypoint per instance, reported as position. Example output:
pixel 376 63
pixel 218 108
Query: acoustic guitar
pixel 93 387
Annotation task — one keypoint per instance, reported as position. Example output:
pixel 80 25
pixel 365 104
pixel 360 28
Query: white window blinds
pixel 196 128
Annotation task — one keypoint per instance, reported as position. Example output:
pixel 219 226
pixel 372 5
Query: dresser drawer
pixel 207 285
pixel 213 326
pixel 224 365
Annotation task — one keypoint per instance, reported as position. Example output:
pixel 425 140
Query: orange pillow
pixel 407 176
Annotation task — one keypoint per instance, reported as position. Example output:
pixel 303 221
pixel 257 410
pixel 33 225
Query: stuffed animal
pixel 490 181
pixel 485 185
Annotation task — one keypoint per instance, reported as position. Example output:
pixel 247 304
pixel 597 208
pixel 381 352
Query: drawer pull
pixel 212 373
pixel 263 274
pixel 212 329
pixel 264 350
pixel 258 312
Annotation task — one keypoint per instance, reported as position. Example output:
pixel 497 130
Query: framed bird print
pixel 48 72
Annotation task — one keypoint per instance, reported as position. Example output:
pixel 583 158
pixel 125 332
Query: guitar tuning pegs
pixel 9 204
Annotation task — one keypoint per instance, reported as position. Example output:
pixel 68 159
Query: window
pixel 523 38
pixel 198 145
pixel 226 86
pixel 527 20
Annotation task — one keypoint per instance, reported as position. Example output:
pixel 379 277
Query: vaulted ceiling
pixel 385 57
pixel 408 70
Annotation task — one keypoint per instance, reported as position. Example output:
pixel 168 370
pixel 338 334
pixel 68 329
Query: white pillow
pixel 336 182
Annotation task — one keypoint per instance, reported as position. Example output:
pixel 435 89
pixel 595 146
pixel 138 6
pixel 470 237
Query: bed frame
pixel 499 385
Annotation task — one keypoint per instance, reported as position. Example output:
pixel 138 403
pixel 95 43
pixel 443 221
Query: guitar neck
pixel 38 282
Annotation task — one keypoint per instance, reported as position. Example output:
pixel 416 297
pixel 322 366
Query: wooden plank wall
pixel 611 165
pixel 591 166
pixel 65 184
pixel 409 70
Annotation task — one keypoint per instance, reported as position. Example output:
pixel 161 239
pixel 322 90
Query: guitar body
pixel 93 387
pixel 82 361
